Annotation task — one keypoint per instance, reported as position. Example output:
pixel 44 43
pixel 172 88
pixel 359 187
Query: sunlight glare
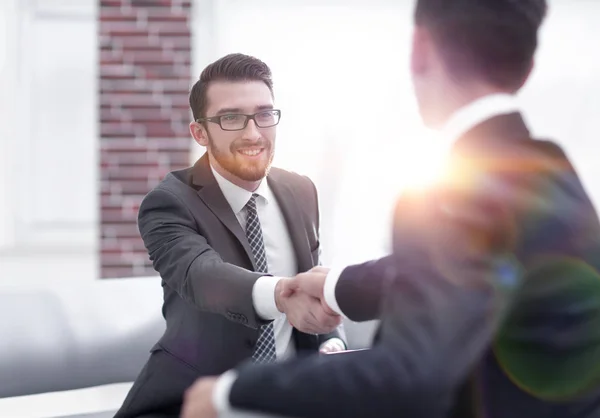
pixel 423 161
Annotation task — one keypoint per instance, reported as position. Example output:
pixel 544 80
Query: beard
pixel 235 163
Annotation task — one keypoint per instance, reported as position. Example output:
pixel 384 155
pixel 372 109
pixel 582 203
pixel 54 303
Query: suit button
pixel 249 343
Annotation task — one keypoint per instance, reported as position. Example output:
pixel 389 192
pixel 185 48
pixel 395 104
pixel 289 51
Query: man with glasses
pixel 225 235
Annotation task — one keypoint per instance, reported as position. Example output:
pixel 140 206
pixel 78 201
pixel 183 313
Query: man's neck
pixel 476 112
pixel 251 186
pixel 456 97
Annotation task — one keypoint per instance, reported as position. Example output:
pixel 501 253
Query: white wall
pixel 49 187
pixel 8 87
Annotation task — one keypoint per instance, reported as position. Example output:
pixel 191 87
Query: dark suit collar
pixel 213 197
pixel 201 172
pixel 488 147
pixel 504 127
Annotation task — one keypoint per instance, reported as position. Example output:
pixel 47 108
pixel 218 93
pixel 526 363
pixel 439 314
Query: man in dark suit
pixel 490 302
pixel 224 235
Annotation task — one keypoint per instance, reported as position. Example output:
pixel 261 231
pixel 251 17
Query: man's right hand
pixel 301 299
pixel 312 283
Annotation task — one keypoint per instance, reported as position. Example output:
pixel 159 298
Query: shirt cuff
pixel 263 297
pixel 221 391
pixel 335 340
pixel 329 289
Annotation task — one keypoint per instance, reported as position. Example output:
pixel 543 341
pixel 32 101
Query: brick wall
pixel 145 76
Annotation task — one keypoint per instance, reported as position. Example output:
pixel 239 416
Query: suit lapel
pixel 213 198
pixel 294 218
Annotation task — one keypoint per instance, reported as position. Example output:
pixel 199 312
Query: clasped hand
pixel 301 299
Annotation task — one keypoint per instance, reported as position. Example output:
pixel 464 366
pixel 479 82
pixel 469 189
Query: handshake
pixel 301 299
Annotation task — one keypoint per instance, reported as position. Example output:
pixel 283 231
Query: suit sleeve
pixel 432 334
pixel 188 264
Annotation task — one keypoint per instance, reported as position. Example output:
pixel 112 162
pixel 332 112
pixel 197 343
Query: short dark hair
pixel 232 67
pixel 494 40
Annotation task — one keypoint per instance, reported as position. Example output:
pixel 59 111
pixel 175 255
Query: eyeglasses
pixel 238 121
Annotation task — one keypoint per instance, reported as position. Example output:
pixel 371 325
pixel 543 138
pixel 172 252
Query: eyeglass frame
pixel 217 119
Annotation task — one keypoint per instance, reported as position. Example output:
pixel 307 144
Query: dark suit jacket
pixel 457 298
pixel 202 254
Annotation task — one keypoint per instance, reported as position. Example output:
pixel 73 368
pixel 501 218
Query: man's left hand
pixel 198 399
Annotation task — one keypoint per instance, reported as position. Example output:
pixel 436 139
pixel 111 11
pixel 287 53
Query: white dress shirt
pixel 281 258
pixel 459 123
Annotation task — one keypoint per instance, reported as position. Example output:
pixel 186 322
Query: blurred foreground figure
pixel 490 302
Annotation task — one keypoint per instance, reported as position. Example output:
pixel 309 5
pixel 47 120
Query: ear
pixel 419 57
pixel 199 133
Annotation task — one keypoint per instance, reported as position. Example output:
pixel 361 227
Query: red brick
pixel 125 29
pixel 140 85
pixel 151 3
pixel 118 130
pixel 124 261
pixel 164 71
pixel 133 101
pixel 159 129
pixel 147 157
pixel 118 71
pixel 121 231
pixel 134 43
pixel 176 42
pixel 155 17
pixel 133 186
pixel 115 247
pixel 145 67
pixel 149 57
pixel 118 146
pixel 148 114
pixel 117 215
pixel 126 272
pixel 110 3
pixel 126 173
pixel 112 147
pixel 170 28
pixel 118 17
pixel 110 201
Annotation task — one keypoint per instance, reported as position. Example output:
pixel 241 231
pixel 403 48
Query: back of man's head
pixel 492 40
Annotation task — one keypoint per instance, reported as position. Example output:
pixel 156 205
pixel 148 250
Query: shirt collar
pixel 476 112
pixel 236 196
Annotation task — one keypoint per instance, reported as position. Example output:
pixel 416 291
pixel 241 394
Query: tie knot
pixel 251 205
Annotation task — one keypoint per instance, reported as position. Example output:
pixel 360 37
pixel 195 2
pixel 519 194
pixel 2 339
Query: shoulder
pixel 546 152
pixel 530 163
pixel 176 185
pixel 298 182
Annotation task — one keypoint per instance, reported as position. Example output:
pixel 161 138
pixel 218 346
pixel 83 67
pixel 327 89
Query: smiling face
pixel 243 156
